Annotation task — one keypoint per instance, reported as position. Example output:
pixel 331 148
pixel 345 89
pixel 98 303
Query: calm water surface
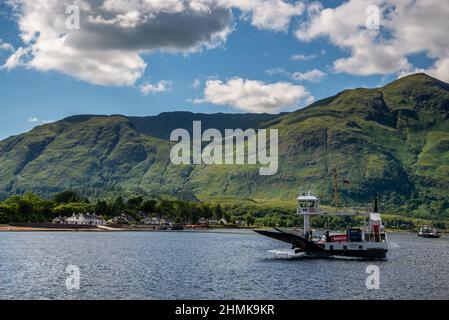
pixel 210 265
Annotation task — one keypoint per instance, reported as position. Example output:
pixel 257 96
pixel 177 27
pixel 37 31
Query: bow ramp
pixel 296 239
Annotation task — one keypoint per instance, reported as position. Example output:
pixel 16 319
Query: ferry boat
pixel 370 241
pixel 428 232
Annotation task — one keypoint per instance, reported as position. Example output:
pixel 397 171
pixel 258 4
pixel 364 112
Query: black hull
pixel 429 236
pixel 366 254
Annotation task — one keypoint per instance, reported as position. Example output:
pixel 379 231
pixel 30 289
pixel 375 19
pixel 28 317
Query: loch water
pixel 216 264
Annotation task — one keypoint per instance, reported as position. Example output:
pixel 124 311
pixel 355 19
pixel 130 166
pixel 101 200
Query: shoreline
pixel 9 228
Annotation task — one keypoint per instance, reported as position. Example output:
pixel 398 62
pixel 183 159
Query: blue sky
pixel 32 94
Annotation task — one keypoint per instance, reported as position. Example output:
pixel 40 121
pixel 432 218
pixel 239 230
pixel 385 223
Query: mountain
pixel 97 154
pixel 393 140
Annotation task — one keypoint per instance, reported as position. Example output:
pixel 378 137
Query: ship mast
pixel 308 204
pixel 336 199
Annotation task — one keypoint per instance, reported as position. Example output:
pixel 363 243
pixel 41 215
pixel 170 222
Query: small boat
pixel 428 232
pixel 369 242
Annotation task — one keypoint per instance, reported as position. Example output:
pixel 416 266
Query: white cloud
pixel 297 57
pixel 406 27
pixel 37 120
pixel 441 69
pixel 277 71
pixel 314 75
pixel 16 59
pixel 267 14
pixel 4 46
pixel 254 96
pixel 162 86
pixel 114 34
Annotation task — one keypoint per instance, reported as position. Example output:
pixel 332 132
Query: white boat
pixel 369 241
pixel 428 232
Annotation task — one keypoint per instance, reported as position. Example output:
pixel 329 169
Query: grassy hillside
pixel 393 140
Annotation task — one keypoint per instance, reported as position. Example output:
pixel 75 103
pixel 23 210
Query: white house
pixel 122 219
pixel 151 221
pixel 81 219
pixel 59 220
pixel 166 222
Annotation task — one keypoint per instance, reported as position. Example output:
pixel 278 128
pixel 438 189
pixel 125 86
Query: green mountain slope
pixel 393 140
pixel 105 154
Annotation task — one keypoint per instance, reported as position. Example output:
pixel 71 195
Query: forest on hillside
pixel 31 208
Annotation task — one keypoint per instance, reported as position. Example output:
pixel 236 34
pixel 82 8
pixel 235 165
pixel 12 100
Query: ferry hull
pixel 365 254
pixel 430 236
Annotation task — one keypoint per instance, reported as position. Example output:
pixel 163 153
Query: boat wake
pixel 393 245
pixel 283 252
pixel 289 254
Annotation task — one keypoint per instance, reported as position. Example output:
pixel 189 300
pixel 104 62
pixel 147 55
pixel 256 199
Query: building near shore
pixel 207 222
pixel 154 221
pixel 81 219
pixel 166 223
pixel 59 220
pixel 122 219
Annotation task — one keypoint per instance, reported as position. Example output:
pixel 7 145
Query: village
pixel 151 222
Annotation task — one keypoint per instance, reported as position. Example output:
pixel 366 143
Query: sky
pixel 143 57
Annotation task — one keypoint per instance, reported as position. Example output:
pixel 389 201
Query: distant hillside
pixel 393 140
pixel 162 125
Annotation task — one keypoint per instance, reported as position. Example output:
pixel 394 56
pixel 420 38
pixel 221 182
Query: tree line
pixel 32 208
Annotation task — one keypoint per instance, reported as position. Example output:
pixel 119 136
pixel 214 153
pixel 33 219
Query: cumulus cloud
pixel 277 71
pixel 254 96
pixel 314 75
pixel 162 86
pixel 113 34
pixel 107 48
pixel 298 57
pixel 15 59
pixel 267 14
pixel 4 46
pixel 406 27
pixel 36 120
